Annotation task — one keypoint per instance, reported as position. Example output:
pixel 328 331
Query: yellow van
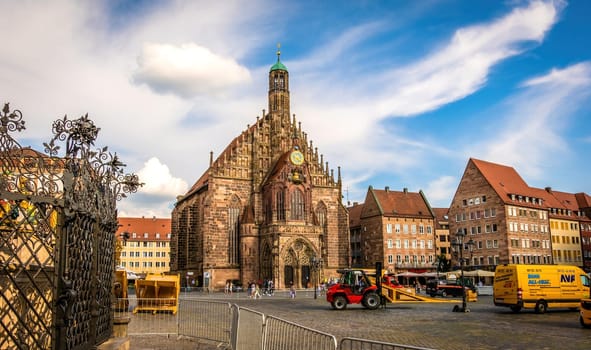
pixel 539 287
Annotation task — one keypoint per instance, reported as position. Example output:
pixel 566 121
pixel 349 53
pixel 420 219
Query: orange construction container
pixel 158 292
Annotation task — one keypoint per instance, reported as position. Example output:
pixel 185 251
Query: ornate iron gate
pixel 58 220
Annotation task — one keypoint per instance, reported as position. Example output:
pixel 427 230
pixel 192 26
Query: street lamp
pixel 316 265
pixel 458 246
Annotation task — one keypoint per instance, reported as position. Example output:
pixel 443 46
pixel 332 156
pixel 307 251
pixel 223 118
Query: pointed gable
pixel 504 179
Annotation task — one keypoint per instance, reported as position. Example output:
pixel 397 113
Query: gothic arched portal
pixel 294 261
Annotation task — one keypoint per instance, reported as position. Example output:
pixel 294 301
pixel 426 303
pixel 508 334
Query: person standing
pixel 292 291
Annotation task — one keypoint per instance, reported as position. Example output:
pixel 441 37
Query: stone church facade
pixel 267 208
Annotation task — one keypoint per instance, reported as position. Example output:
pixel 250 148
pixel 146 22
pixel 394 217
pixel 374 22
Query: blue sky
pixel 396 93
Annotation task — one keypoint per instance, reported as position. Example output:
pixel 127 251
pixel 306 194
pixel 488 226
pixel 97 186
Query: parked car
pixel 236 286
pixel 444 287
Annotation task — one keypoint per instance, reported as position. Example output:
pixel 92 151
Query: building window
pixel 405 228
pixel 389 228
pixel 390 259
pixel 233 234
pixel 280 205
pixel 297 205
pixel 429 230
pixel 397 228
pixel 133 235
pixel 413 229
pixel 390 245
pixel 146 235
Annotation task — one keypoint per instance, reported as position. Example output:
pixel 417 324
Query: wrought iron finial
pixel 10 121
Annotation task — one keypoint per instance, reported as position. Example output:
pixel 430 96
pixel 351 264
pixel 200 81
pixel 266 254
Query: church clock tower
pixel 279 104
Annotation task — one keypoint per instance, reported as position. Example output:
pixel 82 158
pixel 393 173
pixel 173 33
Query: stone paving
pixel 430 325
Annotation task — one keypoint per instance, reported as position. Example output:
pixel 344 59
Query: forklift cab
pixel 356 280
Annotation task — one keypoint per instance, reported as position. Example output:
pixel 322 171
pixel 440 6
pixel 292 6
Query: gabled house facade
pixel 505 218
pixel 397 229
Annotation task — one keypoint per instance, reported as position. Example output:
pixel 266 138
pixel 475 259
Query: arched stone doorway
pixel 266 262
pixel 295 263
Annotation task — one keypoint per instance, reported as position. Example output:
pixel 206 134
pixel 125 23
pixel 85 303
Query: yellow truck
pixel 539 287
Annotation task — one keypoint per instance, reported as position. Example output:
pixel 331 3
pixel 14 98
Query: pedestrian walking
pixel 257 291
pixel 292 291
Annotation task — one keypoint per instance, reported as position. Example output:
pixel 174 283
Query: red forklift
pixel 355 287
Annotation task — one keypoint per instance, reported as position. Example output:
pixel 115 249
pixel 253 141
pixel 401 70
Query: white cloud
pixel 462 66
pixel 355 109
pixel 188 70
pixel 531 131
pixel 440 191
pixel 159 181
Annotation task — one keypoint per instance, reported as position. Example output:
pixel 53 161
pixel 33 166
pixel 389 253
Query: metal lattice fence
pixel 57 236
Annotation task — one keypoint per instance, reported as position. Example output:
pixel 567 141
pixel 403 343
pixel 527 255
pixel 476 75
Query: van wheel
pixel 583 323
pixel 515 308
pixel 541 307
pixel 443 294
pixel 339 303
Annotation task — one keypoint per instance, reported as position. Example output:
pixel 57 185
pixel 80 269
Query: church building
pixel 268 208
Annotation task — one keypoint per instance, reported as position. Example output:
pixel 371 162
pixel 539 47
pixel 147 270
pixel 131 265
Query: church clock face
pixel 296 157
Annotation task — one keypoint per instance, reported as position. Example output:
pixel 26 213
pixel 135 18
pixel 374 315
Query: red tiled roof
pixel 549 200
pixel 568 200
pixel 140 226
pixel 441 214
pixel 402 203
pixel 583 200
pixel 355 215
pixel 504 179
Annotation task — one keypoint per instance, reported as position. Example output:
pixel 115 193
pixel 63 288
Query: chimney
pixel 405 190
pixel 548 189
pixel 387 188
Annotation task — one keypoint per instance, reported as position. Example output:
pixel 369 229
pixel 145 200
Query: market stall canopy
pixel 408 274
pixel 479 273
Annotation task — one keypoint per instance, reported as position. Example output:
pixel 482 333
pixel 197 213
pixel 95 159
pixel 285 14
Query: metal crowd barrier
pixel 364 344
pixel 208 320
pixel 285 335
pixel 248 326
pixel 234 327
